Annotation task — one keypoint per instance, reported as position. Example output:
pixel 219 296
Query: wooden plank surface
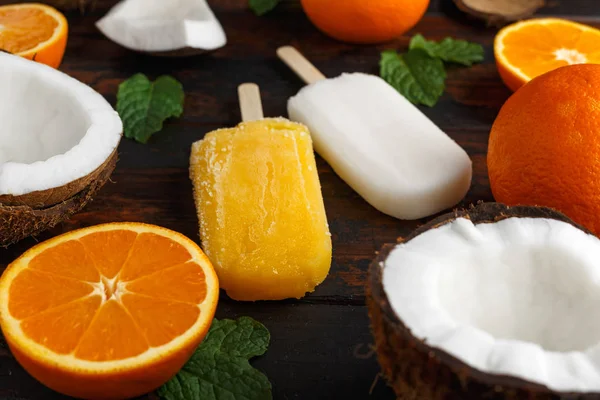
pixel 320 344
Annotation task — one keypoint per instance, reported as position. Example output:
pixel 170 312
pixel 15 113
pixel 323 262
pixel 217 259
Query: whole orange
pixel 365 21
pixel 544 147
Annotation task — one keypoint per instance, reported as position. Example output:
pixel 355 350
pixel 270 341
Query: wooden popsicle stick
pixel 300 65
pixel 250 103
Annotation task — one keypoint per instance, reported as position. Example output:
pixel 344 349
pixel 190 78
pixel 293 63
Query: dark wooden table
pixel 321 344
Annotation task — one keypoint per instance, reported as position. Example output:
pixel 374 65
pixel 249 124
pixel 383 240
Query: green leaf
pixel 416 75
pixel 261 7
pixel 219 369
pixel 242 338
pixel 450 50
pixel 143 105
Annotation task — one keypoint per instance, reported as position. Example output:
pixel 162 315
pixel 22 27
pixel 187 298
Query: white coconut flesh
pixel 163 25
pixel 519 297
pixel 53 128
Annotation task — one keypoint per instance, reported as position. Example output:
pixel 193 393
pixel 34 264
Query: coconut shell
pixel 500 12
pixel 46 198
pixel 420 372
pixel 20 221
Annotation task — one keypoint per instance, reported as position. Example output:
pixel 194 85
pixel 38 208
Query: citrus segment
pixel 531 48
pixel 69 259
pixel 109 250
pixel 112 335
pixel 111 311
pixel 34 31
pixel 167 320
pixel 60 328
pixel 23 28
pixel 151 253
pixel 34 291
pixel 185 283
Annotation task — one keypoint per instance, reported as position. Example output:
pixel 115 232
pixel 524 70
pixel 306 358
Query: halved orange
pixel 34 31
pixel 111 311
pixel 533 47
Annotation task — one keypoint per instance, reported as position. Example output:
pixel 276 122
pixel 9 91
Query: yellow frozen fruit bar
pixel 260 207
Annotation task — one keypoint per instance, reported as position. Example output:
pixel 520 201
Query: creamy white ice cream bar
pixel 382 145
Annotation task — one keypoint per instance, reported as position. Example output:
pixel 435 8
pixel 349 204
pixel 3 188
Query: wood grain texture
pixel 320 344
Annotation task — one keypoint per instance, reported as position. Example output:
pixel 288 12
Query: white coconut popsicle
pixel 378 142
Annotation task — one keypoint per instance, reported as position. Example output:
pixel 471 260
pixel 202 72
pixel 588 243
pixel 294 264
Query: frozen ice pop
pixel 379 143
pixel 260 207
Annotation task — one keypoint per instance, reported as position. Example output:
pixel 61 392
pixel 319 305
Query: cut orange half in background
pixel 108 312
pixel 34 31
pixel 533 47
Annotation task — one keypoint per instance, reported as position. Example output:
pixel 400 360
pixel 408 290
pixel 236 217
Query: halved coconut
pixel 500 12
pixel 58 141
pixel 163 27
pixel 490 303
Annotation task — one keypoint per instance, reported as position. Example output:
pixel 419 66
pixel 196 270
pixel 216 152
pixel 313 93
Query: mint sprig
pixel 143 105
pixel 261 7
pixel 219 368
pixel 419 74
pixel 450 50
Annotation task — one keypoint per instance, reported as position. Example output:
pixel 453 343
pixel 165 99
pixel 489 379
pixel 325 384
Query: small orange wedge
pixel 34 31
pixel 533 47
pixel 108 312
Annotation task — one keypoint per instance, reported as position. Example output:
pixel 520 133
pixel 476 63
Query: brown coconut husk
pixel 49 197
pixel 500 12
pixel 20 221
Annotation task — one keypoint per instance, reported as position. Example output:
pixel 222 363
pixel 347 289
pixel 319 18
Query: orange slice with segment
pixel 112 311
pixel 34 31
pixel 533 47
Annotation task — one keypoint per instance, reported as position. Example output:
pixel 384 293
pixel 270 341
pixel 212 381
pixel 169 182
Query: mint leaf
pixel 450 50
pixel 143 105
pixel 261 7
pixel 416 75
pixel 219 369
pixel 242 338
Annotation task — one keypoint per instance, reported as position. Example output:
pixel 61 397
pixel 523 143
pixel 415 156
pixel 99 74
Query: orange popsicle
pixel 262 218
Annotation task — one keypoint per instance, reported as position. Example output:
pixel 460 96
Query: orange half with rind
pixel 111 311
pixel 527 49
pixel 34 31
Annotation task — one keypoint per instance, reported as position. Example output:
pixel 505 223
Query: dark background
pixel 320 346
